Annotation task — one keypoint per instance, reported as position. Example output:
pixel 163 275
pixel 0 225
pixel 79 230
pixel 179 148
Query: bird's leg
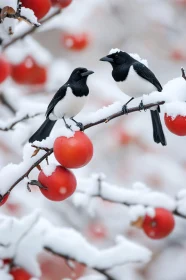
pixel 67 125
pixel 124 108
pixel 79 124
pixel 141 106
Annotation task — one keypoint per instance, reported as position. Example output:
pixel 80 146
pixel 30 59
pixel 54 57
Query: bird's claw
pixel 141 106
pixel 125 109
pixel 68 126
pixel 80 125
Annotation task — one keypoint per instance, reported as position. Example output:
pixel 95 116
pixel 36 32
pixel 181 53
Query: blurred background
pixel 123 149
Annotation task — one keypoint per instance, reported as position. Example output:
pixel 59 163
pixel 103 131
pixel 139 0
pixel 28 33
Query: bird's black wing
pixel 60 94
pixel 147 74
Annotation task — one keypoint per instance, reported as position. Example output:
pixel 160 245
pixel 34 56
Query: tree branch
pixel 50 151
pixel 99 193
pixel 11 126
pixel 103 272
pixel 4 101
pixel 31 30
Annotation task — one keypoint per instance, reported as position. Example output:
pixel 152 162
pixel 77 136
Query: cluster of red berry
pixel 73 152
pixel 29 72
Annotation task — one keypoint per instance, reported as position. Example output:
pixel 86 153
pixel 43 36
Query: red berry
pixel 176 125
pixel 62 3
pixel 29 72
pixel 75 42
pixel 73 152
pixel 5 198
pixel 4 69
pixel 159 226
pixel 40 7
pixel 20 274
pixel 61 184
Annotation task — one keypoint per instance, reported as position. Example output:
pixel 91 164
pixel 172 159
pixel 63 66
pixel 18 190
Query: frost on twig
pixel 33 234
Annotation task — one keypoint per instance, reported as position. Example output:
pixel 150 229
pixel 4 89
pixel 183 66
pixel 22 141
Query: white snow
pixel 114 51
pixel 137 57
pixel 143 196
pixel 33 233
pixel 26 48
pixel 101 113
pixel 139 211
pixel 29 14
pixel 4 275
pixel 70 243
pixel 9 3
pixel 134 55
pixel 175 108
pixel 49 141
pixel 49 169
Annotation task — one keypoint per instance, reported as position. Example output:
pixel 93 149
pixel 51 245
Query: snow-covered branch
pixel 138 195
pixel 30 30
pixel 102 117
pixel 11 126
pixel 37 232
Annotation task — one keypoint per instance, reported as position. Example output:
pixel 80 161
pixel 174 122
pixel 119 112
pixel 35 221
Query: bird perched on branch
pixel 68 101
pixel 135 79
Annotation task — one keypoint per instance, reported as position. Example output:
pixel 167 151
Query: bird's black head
pixel 118 58
pixel 121 62
pixel 80 75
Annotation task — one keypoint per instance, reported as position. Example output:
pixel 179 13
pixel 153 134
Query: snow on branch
pixel 33 234
pixel 12 12
pixel 11 124
pixel 173 90
pixel 22 170
pixel 31 30
pixel 139 194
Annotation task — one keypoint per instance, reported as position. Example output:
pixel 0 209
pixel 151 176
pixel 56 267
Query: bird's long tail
pixel 158 133
pixel 43 132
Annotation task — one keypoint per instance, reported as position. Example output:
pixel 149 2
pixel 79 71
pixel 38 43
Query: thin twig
pixel 37 183
pixel 41 148
pixel 98 195
pixel 11 126
pixel 31 30
pixel 5 102
pixel 183 73
pixel 19 16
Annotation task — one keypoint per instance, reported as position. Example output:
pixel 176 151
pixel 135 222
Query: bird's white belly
pixel 69 106
pixel 135 86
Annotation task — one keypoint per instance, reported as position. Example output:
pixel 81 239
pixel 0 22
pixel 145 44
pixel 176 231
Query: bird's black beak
pixel 106 58
pixel 87 73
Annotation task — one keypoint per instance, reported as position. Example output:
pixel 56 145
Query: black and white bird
pixel 68 101
pixel 135 79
